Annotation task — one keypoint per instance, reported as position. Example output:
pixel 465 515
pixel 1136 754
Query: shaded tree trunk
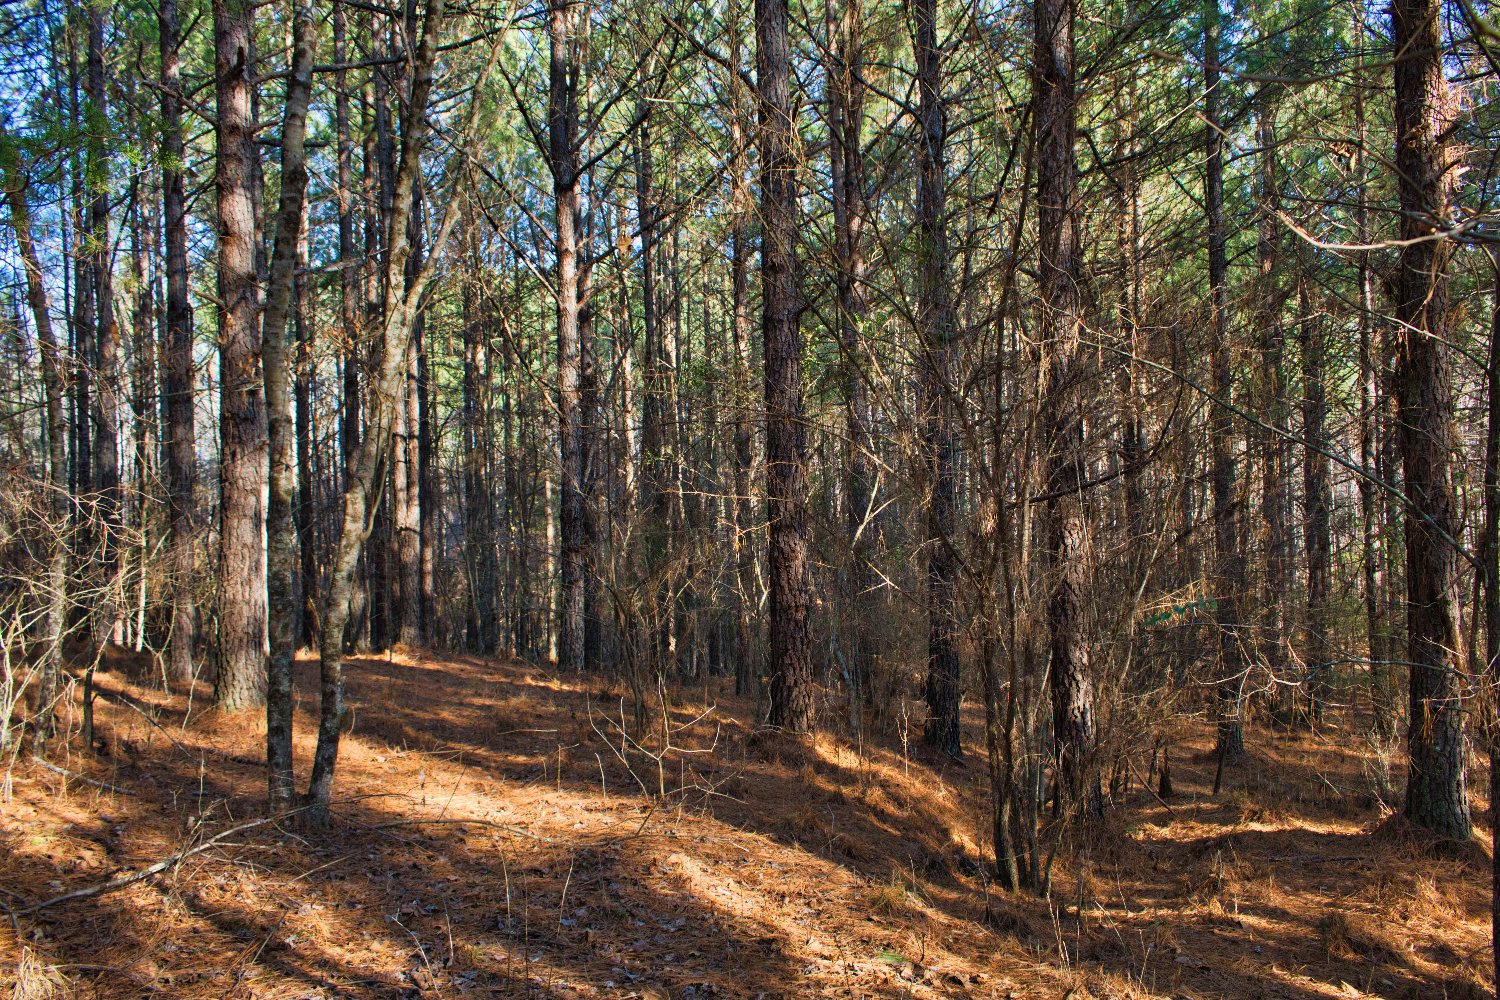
pixel 935 323
pixel 1317 492
pixel 562 125
pixel 1061 417
pixel 180 439
pixel 399 313
pixel 781 333
pixel 1229 567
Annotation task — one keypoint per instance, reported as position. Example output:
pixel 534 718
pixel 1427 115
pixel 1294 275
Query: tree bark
pixel 781 333
pixel 106 416
pixel 240 681
pixel 1436 797
pixel 398 315
pixel 1229 567
pixel 1061 417
pixel 935 331
pixel 283 551
pixel 846 119
pixel 181 457
pixel 562 125
pixel 1317 492
pixel 55 584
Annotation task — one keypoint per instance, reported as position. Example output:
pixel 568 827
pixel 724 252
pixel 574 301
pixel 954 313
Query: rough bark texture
pixel 180 441
pixel 284 555
pixel 240 681
pixel 55 584
pixel 399 312
pixel 781 333
pixel 562 125
pixel 1229 563
pixel 1271 343
pixel 935 329
pixel 106 416
pixel 1436 797
pixel 1317 492
pixel 846 119
pixel 1061 416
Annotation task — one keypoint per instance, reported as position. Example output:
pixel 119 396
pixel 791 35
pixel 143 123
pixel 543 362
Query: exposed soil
pixel 491 840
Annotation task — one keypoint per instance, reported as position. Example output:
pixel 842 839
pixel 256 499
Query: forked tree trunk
pixel 399 313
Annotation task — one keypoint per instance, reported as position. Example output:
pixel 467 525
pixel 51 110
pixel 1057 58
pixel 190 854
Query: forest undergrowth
pixel 504 831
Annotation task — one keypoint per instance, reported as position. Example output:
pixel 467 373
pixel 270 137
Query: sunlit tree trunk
pixel 1436 796
pixel 241 678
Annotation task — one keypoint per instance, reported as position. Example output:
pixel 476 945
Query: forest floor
pixel 488 841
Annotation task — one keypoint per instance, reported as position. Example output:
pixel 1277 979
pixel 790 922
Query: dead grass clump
pixel 806 822
pixel 773 746
pixel 35 980
pixel 1349 935
pixel 1247 808
pixel 892 898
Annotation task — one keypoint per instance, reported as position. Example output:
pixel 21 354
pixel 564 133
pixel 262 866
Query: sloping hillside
pixel 497 835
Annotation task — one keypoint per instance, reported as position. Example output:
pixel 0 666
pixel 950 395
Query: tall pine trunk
pixel 781 333
pixel 283 550
pixel 1436 796
pixel 180 440
pixel 240 681
pixel 935 329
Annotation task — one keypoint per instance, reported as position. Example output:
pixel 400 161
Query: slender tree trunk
pixel 283 553
pixel 1317 526
pixel 1273 388
pixel 1372 501
pixel 781 333
pixel 1490 570
pixel 562 124
pixel 303 324
pixel 935 322
pixel 741 209
pixel 241 678
pixel 54 621
pixel 181 437
pixel 846 119
pixel 106 414
pixel 1435 789
pixel 1061 417
pixel 398 316
pixel 1228 560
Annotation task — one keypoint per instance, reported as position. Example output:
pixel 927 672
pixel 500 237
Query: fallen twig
pixel 121 882
pixel 81 777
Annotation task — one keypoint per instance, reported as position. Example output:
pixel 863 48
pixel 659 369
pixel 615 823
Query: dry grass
pixel 498 838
